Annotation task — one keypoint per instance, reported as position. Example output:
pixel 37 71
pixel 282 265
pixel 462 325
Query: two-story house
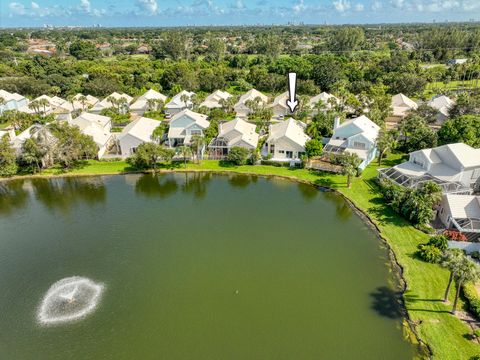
pixel 184 125
pixel 455 167
pixel 286 141
pixel 356 136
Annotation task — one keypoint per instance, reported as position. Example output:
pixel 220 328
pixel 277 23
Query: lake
pixel 195 266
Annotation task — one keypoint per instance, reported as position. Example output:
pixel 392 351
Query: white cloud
pixel 34 5
pixel 17 8
pixel 239 5
pixel 342 5
pixel 376 5
pixel 359 7
pixel 147 6
pixel 85 6
pixel 399 4
pixel 299 7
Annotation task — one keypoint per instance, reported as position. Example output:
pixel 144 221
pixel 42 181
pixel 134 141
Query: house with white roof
pixel 84 102
pixel 61 108
pixel 184 125
pixel 286 141
pixel 455 167
pixel 241 109
pixel 401 106
pixel 31 132
pixel 11 101
pixel 442 104
pixel 107 104
pixel 279 106
pixel 325 98
pixel 461 213
pixel 233 133
pixel 10 133
pixel 178 103
pixel 141 105
pixel 98 127
pixel 136 133
pixel 213 100
pixel 355 136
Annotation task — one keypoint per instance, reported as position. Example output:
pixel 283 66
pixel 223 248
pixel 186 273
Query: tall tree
pixel 8 157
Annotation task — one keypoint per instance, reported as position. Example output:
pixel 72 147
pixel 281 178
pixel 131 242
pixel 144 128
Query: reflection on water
pixel 165 185
pixel 241 181
pixel 342 208
pixel 308 192
pixel 156 185
pixel 13 196
pixel 63 193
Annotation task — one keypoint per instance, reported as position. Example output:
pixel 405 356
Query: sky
pixel 158 13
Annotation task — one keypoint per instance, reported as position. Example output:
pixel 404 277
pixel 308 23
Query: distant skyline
pixel 151 13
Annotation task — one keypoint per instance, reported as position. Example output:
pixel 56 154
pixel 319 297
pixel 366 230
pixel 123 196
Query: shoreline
pixel 409 325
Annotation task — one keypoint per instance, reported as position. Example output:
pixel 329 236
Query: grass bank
pixel 443 332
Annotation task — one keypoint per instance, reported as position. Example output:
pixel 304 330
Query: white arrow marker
pixel 292 89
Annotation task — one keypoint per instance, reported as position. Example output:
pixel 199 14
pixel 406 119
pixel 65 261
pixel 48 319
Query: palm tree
pixel 350 164
pixel 197 142
pixel 35 106
pixel 385 142
pixel 151 104
pixel 83 100
pixel 450 260
pixel 44 103
pixel 2 101
pixel 467 271
pixel 185 98
pixel 184 151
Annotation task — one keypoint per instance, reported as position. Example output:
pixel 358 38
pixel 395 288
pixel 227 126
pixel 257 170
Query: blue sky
pixel 16 13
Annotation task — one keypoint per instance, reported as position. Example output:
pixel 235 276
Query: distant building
pixel 279 106
pixel 106 103
pixel 401 106
pixel 442 104
pixel 213 100
pixel 461 213
pixel 141 105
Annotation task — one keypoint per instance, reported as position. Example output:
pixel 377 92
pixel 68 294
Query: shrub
pixel 439 241
pixel 475 255
pixel 473 299
pixel 429 253
pixel 238 155
pixel 455 235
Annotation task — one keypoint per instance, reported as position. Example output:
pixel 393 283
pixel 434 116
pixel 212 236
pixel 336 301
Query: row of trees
pixel 55 144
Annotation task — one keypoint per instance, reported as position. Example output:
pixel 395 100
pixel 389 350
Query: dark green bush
pixel 429 253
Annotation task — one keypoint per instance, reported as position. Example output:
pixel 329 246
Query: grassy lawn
pixel 443 332
pixel 433 88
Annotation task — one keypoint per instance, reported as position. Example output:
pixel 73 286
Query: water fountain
pixel 68 300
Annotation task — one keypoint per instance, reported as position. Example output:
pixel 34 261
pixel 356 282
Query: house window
pixel 359 145
pixel 133 150
pixel 272 149
pixel 196 132
pixel 417 162
pixel 289 154
pixel 476 174
pixel 281 151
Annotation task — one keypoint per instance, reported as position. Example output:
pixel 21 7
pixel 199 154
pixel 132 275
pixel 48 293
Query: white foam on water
pixel 68 300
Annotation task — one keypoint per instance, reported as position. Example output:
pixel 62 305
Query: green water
pixel 196 266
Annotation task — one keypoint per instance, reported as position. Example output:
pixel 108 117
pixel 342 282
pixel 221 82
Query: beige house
pixel 213 100
pixel 233 133
pixel 141 105
pixel 242 110
pixel 401 106
pixel 279 106
pixel 136 133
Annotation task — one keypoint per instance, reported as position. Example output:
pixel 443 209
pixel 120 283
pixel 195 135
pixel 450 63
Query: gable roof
pixel 324 97
pixel 141 128
pixel 177 102
pixel 8 96
pixel 463 206
pixel 99 134
pixel 199 119
pixel 105 103
pixel 290 129
pixel 250 95
pixel 281 100
pixel 361 125
pixel 401 100
pixel 141 102
pixel 100 120
pixel 213 100
pixel 239 130
pixel 90 100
